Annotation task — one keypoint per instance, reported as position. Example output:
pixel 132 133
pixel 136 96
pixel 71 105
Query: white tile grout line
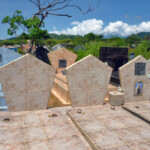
pixel 28 80
pixel 89 82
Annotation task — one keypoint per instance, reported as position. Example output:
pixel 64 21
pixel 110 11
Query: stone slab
pixel 88 81
pixel 27 83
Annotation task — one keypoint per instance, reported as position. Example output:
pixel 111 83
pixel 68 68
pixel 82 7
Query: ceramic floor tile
pixel 68 143
pixel 53 118
pixel 15 121
pixel 93 126
pixel 38 145
pixel 11 135
pixel 105 140
pixel 112 123
pixel 34 133
pixel 124 147
pixel 144 132
pixel 129 136
pixel 60 130
pixel 141 146
pixel 32 120
pixel 14 146
pixel 131 121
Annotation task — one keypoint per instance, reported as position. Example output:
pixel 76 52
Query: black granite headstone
pixel 140 69
pixel 62 63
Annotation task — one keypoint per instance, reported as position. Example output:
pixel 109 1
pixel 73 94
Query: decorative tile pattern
pixel 62 54
pixel 88 81
pixel 129 78
pixel 27 83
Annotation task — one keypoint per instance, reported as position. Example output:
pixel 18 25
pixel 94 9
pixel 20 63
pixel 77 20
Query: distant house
pixel 7 56
pixel 58 46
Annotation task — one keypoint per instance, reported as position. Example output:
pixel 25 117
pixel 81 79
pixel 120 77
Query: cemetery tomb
pixel 62 58
pixel 88 81
pixel 115 57
pixel 27 83
pixel 135 81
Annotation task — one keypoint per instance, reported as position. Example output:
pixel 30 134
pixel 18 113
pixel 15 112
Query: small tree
pixel 45 8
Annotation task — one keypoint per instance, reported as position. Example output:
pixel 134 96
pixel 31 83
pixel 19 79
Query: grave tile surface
pixel 140 108
pixel 118 129
pixel 40 130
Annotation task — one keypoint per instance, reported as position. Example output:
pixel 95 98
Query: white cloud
pixel 97 26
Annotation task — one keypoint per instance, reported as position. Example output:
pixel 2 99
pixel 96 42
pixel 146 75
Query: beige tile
pixel 38 100
pixel 16 80
pixel 38 145
pixel 88 81
pixel 14 146
pixel 79 97
pixel 34 133
pixel 17 101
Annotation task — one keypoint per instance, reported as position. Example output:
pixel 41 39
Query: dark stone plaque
pixel 62 63
pixel 140 69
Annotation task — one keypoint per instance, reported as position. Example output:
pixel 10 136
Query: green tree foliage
pixel 31 27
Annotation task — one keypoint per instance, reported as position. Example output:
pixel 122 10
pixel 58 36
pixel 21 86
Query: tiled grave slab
pixel 88 81
pixel 40 130
pixel 142 109
pixel 134 80
pixel 117 130
pixel 27 83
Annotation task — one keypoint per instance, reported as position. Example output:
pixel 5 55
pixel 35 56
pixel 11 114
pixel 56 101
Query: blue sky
pixel 112 17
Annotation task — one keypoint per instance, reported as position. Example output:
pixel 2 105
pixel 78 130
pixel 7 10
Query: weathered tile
pixel 88 81
pixel 11 135
pixel 38 145
pixel 141 146
pixel 129 136
pixel 16 80
pixel 27 83
pixel 14 146
pixel 34 133
pixel 32 120
pixel 105 140
pixel 59 130
pixel 38 99
pixel 68 143
pixel 93 126
pixel 17 101
pixel 14 122
pixel 112 123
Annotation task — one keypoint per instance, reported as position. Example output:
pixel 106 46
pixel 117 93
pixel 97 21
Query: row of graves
pixel 86 122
